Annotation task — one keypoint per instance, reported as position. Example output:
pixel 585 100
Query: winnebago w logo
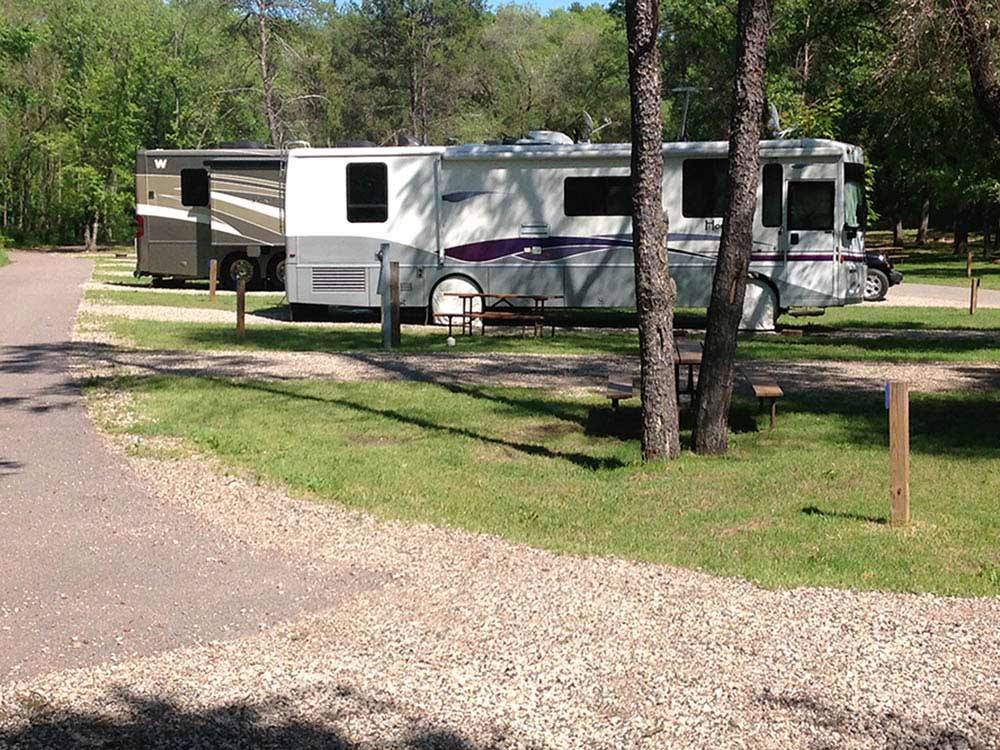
pixel 160 163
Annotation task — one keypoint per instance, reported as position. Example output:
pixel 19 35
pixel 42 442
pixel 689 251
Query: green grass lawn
pixel 892 347
pixel 804 505
pixel 934 267
pixel 897 318
pixel 935 263
pixel 4 258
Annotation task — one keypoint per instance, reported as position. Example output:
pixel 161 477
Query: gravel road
pixel 935 295
pixel 94 567
pixel 443 639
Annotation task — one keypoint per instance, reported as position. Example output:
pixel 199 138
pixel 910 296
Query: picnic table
pixel 625 385
pixel 502 309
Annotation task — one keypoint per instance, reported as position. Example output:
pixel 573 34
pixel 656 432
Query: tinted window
pixel 367 193
pixel 855 206
pixel 597 196
pixel 770 207
pixel 194 187
pixel 810 205
pixel 704 188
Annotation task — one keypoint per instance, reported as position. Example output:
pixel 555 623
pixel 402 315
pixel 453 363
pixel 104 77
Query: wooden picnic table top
pixel 688 352
pixel 502 295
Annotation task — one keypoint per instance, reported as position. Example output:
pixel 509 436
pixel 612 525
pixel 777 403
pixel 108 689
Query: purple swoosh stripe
pixel 480 252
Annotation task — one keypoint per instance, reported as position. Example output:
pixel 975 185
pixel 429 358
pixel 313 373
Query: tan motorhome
pixel 196 205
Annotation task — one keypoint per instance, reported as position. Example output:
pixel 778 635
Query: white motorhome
pixel 554 218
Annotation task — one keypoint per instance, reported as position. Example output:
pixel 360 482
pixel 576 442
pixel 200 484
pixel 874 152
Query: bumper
pixel 895 277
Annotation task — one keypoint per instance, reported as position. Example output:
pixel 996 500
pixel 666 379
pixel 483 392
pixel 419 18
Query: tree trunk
pixel 90 234
pixel 961 233
pixel 267 74
pixel 715 381
pixel 925 218
pixel 975 27
pixel 655 291
pixel 897 233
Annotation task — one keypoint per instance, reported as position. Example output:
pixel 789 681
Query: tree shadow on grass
pixel 965 425
pixel 889 348
pixel 159 724
pixel 812 510
pixel 583 460
pixel 626 423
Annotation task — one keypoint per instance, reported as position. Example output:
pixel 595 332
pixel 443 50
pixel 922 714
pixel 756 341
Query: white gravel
pixel 101 356
pixel 169 314
pixel 936 295
pixel 474 642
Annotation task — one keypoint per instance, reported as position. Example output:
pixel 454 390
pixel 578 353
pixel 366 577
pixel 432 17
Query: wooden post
pixel 973 295
pixel 968 264
pixel 394 303
pixel 899 453
pixel 241 308
pixel 213 278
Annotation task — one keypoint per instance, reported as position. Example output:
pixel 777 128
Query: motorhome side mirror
pixel 850 232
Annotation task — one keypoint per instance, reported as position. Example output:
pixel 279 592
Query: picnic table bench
pixel 535 314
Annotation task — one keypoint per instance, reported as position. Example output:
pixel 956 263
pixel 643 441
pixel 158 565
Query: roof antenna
pixel 589 129
pixel 687 91
pixel 774 123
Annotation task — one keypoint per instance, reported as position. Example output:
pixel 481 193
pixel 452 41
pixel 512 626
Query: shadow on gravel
pixel 889 729
pixel 144 723
pixel 8 467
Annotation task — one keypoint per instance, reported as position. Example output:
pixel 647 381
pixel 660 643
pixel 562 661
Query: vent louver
pixel 338 279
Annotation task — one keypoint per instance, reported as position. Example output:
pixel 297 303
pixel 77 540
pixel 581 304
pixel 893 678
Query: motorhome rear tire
pixel 228 276
pixel 442 305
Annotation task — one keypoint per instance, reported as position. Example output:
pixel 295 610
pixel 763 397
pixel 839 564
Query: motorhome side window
pixel 597 196
pixel 770 208
pixel 855 206
pixel 194 187
pixel 810 205
pixel 704 188
pixel 367 193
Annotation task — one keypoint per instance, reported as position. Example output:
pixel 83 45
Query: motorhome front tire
pixel 442 304
pixel 276 272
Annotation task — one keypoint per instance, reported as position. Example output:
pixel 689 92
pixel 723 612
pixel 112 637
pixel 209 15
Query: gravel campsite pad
pixel 99 355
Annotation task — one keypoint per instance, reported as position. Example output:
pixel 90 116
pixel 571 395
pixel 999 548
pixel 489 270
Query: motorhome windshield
pixel 855 208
